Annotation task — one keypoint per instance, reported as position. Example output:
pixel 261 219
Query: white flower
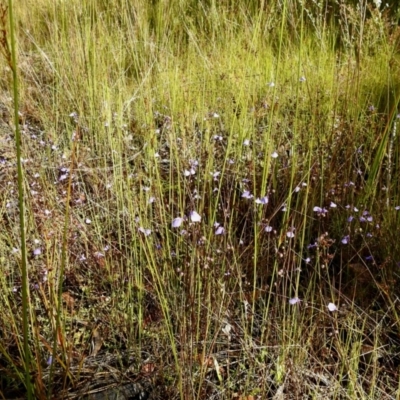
pixel 294 301
pixel 274 154
pixel 195 217
pixel 146 232
pixel 332 307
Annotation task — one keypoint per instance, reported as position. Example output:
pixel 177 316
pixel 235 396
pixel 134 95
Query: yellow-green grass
pixel 134 115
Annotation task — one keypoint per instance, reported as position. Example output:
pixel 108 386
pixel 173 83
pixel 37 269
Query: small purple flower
pixel 247 195
pixel 194 216
pixel 37 252
pixel 220 230
pixel 294 301
pixel 190 172
pixel 290 234
pixel 332 307
pixel 262 200
pixel 146 232
pixel 177 222
pixel 268 228
pixel 350 218
pixel 320 211
pixel 346 240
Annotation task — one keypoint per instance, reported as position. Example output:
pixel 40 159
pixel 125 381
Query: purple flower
pixel 247 195
pixel 294 301
pixel 177 222
pixel 320 211
pixel 346 239
pixel 220 230
pixel 146 232
pixel 262 200
pixel 290 233
pixel 268 228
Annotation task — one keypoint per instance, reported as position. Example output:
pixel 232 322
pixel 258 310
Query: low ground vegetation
pixel 212 200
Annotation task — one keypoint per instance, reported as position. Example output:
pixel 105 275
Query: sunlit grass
pixel 224 181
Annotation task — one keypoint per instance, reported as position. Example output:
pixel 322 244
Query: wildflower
pixel 333 205
pixel 262 200
pixel 192 171
pixel 332 307
pixel 320 211
pixel 346 239
pixel 268 228
pixel 37 251
pixel 88 221
pixel 274 154
pixel 247 195
pixel 294 301
pixel 195 217
pixel 302 79
pixel 146 232
pixel 290 233
pixel 220 230
pixel 215 174
pixel 177 222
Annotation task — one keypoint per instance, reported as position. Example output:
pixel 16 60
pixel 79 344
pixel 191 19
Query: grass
pixel 212 200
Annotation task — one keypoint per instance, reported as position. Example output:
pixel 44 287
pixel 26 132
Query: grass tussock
pixel 212 200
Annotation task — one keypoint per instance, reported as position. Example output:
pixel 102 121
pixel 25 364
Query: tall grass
pixel 213 200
